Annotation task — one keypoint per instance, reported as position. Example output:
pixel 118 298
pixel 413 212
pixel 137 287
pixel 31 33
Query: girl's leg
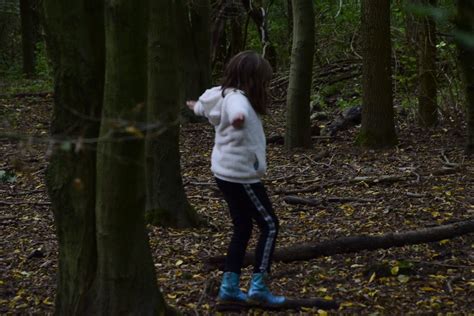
pixel 234 194
pixel 268 224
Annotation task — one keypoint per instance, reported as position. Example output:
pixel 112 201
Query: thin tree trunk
pixel 195 51
pixel 28 36
pixel 77 54
pixel 378 128
pixel 351 244
pixel 298 126
pixel 465 23
pixel 126 282
pixel 427 103
pixel 201 35
pixel 167 204
pixel 259 16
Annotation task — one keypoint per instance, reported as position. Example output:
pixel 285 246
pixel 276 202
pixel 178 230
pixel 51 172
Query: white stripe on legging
pixel 271 227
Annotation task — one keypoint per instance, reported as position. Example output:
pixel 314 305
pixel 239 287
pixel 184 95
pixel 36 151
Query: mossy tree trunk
pixel 427 103
pixel 167 204
pixel 126 281
pixel 78 59
pixel 298 128
pixel 465 23
pixel 378 128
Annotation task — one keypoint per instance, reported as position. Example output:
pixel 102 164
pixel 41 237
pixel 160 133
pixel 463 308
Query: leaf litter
pixel 430 278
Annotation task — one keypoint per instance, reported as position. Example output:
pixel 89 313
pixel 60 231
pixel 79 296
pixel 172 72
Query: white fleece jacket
pixel 239 153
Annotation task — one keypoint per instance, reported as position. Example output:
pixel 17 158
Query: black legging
pixel 247 202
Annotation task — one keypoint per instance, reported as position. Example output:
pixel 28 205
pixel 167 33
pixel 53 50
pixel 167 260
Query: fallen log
pixel 290 303
pixel 291 199
pixel 351 244
pixel 27 95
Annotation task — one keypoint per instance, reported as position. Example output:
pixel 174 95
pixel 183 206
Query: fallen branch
pixel 290 303
pixel 291 199
pixel 351 244
pixel 24 202
pixel 26 95
pixel 371 180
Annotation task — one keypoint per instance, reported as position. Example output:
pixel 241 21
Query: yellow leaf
pixel 172 296
pixel 403 278
pixel 322 312
pixel 346 304
pixel 372 277
pixel 428 289
pixel 444 241
pixel 179 262
pixel 328 298
pixel 394 270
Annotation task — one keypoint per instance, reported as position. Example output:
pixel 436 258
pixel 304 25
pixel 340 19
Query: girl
pixel 238 163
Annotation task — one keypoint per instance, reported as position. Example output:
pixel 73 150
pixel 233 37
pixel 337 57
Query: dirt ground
pixel 430 278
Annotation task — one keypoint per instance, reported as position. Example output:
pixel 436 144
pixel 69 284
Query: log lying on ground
pixel 290 303
pixel 307 251
pixel 391 178
pixel 291 199
pixel 27 95
pixel 344 121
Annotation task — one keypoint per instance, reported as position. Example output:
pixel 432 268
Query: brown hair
pixel 250 72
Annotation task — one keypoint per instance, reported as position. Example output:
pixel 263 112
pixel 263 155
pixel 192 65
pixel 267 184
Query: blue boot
pixel 229 290
pixel 259 293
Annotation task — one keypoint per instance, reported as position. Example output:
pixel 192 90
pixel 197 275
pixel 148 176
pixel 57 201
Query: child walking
pixel 238 163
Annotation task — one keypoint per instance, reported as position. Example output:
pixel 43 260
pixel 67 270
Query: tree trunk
pixel 77 54
pixel 378 128
pixel 427 103
pixel 259 17
pixel 126 281
pixel 351 244
pixel 167 204
pixel 465 22
pixel 298 127
pixel 201 36
pixel 28 36
pixel 194 50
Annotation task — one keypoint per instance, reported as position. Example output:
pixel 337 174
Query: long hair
pixel 250 72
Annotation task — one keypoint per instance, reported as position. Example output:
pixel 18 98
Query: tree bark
pixel 75 41
pixel 28 39
pixel 378 127
pixel 258 15
pixel 167 204
pixel 126 281
pixel 201 35
pixel 195 51
pixel 465 25
pixel 351 244
pixel 298 126
pixel 427 103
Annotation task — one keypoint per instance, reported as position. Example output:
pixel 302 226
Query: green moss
pixel 370 140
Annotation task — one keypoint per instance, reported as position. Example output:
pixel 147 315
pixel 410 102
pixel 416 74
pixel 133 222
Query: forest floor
pixel 429 278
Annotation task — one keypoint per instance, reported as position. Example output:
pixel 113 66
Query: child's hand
pixel 190 104
pixel 238 121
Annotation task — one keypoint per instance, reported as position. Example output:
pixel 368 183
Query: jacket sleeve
pixel 207 101
pixel 237 104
